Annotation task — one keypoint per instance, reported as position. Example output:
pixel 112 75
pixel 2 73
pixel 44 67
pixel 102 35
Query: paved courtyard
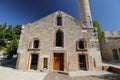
pixel 103 77
pixel 8 72
pixel 12 74
pixel 59 76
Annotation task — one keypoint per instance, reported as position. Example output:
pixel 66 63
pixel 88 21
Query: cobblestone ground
pixel 59 76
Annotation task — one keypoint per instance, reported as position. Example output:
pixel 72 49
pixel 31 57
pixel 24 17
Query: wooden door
pixel 58 61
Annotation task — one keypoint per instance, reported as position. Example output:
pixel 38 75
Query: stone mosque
pixel 58 42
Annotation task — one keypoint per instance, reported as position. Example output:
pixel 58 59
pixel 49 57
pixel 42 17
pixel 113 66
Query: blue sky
pixel 106 12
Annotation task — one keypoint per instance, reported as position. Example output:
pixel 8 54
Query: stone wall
pixel 112 34
pixel 109 42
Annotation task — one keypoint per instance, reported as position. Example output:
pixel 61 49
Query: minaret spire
pixel 85 13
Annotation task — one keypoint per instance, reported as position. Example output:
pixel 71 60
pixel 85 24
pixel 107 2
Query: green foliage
pixel 97 25
pixel 17 30
pixel 11 48
pixel 9 38
pixel 10 33
pixel 2 35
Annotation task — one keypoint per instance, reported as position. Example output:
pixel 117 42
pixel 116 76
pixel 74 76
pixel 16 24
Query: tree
pixel 10 33
pixel 11 48
pixel 17 30
pixel 97 25
pixel 2 35
pixel 9 39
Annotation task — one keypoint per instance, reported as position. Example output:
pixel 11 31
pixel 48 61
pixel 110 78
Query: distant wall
pixel 110 41
pixel 112 34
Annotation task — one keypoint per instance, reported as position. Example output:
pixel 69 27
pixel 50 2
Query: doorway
pixel 34 61
pixel 82 62
pixel 58 61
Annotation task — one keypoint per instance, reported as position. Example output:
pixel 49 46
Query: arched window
pixel 59 20
pixel 36 43
pixel 59 38
pixel 81 45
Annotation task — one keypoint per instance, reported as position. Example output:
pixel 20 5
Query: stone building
pixel 59 42
pixel 110 46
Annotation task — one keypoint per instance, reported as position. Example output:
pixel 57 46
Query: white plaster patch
pixel 84 30
pixel 45 56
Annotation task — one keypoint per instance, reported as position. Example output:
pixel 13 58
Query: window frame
pixel 57 20
pixel 31 45
pixel 34 44
pixel 78 45
pixel 56 38
pixel 45 66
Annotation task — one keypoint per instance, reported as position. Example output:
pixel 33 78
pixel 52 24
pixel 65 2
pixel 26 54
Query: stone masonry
pixel 110 46
pixel 45 30
pixel 58 42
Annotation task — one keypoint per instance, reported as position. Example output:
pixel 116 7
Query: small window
pixel 45 63
pixel 81 45
pixel 59 21
pixel 36 44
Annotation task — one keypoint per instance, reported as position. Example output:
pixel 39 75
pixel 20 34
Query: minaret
pixel 85 13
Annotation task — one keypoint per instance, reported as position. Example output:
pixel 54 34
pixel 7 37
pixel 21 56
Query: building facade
pixel 110 46
pixel 59 42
